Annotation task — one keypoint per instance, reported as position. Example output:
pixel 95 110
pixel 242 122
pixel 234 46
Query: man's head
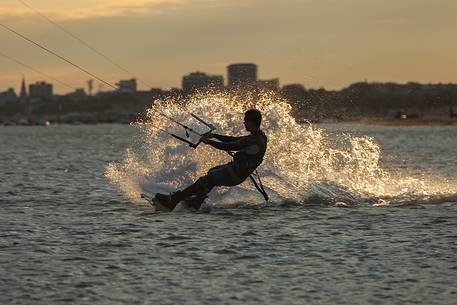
pixel 252 119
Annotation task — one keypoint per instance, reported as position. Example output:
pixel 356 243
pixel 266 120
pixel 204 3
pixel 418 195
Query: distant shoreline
pixel 437 121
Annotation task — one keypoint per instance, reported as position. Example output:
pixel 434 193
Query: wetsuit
pixel 250 151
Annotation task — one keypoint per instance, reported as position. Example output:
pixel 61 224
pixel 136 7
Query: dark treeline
pixel 384 100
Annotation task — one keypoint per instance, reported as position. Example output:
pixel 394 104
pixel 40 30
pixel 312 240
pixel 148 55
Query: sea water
pixel 359 214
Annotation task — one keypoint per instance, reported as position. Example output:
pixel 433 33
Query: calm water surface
pixel 67 236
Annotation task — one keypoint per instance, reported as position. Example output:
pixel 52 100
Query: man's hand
pixel 208 135
pixel 206 140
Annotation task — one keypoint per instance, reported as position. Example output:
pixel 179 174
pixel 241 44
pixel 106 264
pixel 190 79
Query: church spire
pixel 23 95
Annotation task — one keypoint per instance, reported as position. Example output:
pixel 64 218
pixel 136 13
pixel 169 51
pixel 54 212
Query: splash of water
pixel 302 163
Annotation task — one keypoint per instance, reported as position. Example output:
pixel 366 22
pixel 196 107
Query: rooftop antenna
pixel 90 86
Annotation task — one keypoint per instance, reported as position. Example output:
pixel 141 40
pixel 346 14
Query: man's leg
pixel 199 188
pixel 223 175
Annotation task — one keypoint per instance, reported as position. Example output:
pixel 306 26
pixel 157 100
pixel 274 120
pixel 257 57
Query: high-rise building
pixel 201 81
pixel 242 75
pixel 41 90
pixel 129 85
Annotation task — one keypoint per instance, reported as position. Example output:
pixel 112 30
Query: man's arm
pixel 226 139
pixel 239 144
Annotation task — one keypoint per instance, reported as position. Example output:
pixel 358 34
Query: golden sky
pixel 319 43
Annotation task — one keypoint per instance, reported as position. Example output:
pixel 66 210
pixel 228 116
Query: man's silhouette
pixel 250 150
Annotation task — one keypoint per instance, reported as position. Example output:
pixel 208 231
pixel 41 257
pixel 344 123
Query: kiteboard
pixel 155 203
pixel 187 205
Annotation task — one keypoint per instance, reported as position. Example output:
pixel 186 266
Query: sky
pixel 318 43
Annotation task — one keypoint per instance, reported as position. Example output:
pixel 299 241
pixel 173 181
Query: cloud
pixel 104 8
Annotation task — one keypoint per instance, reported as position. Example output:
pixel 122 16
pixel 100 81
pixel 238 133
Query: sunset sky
pixel 319 43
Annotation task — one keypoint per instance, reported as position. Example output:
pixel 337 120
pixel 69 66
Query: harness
pixel 246 163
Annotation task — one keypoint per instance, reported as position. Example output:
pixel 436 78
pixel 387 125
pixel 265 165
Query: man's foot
pixel 166 201
pixel 196 201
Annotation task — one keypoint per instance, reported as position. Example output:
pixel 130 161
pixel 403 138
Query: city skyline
pixel 241 75
pixel 327 44
pixel 121 84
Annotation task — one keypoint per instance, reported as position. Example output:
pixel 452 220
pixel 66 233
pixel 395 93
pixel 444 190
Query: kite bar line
pixel 57 55
pixel 83 42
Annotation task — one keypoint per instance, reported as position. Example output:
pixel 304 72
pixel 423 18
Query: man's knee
pixel 205 183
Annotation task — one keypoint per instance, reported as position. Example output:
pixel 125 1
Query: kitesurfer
pixel 249 149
